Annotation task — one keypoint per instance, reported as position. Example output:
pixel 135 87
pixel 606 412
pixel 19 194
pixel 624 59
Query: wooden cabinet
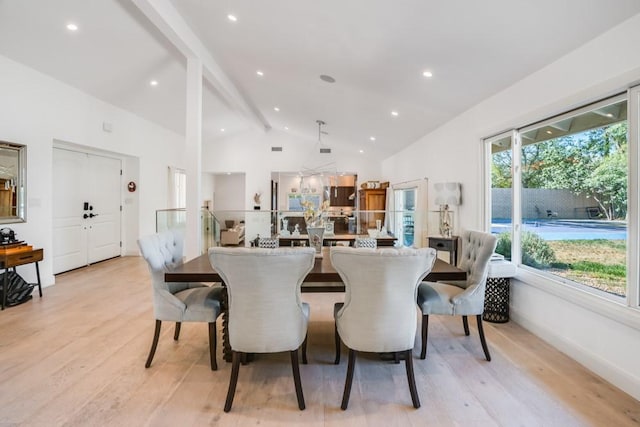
pixel 371 200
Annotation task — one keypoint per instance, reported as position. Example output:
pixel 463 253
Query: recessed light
pixel 549 132
pixel 361 151
pixel 221 129
pixel 72 27
pixel 260 73
pixel 609 115
pixel 153 83
pixel 286 128
pixel 394 113
pixel 232 18
pixel 327 78
pixel 228 173
pixel 427 73
pixel 276 109
pixel 372 138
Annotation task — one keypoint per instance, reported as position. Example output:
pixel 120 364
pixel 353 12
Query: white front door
pixel 86 209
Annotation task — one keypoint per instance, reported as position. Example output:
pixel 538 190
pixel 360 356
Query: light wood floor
pixel 76 357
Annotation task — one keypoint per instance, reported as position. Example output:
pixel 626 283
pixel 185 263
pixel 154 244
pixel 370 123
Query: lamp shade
pixel 447 193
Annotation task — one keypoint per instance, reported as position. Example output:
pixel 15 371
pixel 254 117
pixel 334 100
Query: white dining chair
pixel 266 313
pixel 460 298
pixel 379 312
pixel 177 302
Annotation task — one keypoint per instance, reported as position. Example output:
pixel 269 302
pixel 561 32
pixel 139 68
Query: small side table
pixel 446 244
pixel 496 296
pixel 12 260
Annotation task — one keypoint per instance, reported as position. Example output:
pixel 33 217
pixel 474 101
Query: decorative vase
pixel 315 238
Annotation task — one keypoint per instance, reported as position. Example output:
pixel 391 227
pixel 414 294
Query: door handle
pixel 91 215
pixel 85 216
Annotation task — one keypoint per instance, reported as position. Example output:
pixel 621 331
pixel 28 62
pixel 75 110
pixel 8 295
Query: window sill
pixel 599 302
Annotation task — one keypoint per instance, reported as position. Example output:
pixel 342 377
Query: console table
pixel 446 244
pixel 12 260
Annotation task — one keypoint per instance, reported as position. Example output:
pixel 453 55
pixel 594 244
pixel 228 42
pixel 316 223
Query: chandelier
pixel 319 169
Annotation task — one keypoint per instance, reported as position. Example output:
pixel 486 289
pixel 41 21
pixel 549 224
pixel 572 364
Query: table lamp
pixel 447 194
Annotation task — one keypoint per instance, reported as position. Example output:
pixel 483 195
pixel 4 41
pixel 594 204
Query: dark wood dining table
pixel 322 278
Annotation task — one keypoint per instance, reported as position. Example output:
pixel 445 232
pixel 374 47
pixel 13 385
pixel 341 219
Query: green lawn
pixel 597 263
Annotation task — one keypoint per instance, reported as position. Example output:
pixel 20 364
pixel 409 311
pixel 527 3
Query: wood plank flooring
pixel 76 357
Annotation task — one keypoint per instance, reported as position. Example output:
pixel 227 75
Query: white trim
pixel 633 199
pixel 516 198
pixel 589 359
pixel 596 301
pixel 574 112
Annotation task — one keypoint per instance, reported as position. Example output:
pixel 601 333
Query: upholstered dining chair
pixel 266 314
pixel 379 313
pixel 267 242
pixel 365 242
pixel 177 302
pixel 460 298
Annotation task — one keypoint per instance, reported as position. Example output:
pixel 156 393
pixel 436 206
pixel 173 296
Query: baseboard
pixel 625 381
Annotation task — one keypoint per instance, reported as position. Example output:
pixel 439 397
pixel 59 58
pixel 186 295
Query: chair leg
pixel 482 339
pixel 349 380
pixel 425 331
pixel 337 338
pixel 213 343
pixel 396 357
pixel 296 379
pixel 154 344
pixel 304 350
pixel 176 334
pixel 233 380
pixel 465 324
pixel 408 361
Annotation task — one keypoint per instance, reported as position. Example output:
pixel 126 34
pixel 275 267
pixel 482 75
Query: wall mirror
pixel 13 174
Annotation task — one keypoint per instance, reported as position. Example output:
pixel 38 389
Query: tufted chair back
pixel 163 252
pixel 477 248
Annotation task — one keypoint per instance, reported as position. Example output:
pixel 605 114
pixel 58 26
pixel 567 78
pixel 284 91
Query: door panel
pixel 69 233
pixel 104 228
pixel 81 178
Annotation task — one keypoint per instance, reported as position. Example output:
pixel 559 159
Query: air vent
pixel 276 148
pixel 325 151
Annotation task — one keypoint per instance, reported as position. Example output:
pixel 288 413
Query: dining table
pixel 323 277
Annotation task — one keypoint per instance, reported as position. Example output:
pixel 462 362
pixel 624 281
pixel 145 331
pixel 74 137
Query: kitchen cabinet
pixel 339 196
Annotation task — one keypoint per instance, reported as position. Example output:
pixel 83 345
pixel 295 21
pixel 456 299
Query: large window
pixel 501 184
pixel 569 176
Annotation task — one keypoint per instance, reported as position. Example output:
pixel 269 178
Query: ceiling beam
pixel 170 23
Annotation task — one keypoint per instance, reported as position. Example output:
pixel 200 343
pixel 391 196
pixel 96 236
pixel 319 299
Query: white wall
pixel 207 189
pixel 37 109
pixel 230 192
pixel 606 340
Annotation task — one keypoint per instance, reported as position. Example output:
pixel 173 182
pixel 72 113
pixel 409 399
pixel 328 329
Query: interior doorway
pixel 405 205
pixel 86 208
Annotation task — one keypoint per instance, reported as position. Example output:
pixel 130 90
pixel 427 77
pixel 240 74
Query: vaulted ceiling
pixel 377 52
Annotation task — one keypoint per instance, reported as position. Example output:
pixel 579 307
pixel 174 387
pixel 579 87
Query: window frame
pixel 576 292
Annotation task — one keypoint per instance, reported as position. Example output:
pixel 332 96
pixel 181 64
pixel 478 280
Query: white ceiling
pixel 376 50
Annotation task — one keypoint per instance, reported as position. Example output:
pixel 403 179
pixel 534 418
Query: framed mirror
pixel 13 175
